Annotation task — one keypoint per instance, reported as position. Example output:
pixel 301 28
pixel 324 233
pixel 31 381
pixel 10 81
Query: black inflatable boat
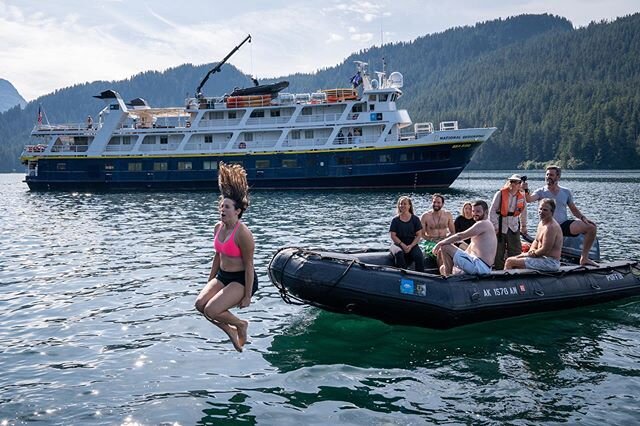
pixel 366 283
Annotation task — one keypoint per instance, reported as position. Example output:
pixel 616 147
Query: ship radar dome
pixel 374 84
pixel 396 80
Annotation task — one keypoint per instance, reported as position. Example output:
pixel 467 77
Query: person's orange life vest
pixel 504 205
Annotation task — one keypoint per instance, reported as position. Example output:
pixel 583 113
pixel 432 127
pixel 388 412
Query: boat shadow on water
pixel 547 342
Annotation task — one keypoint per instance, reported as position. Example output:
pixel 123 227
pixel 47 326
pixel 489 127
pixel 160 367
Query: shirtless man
pixel 479 256
pixel 544 254
pixel 564 199
pixel 437 223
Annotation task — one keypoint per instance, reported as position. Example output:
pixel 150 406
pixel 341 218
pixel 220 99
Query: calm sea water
pixel 98 326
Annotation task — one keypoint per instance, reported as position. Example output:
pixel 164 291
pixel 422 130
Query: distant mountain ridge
pixel 555 93
pixel 9 96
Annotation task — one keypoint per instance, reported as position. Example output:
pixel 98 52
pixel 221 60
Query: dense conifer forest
pixel 555 93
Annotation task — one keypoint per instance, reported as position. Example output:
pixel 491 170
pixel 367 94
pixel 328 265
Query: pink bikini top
pixel 229 247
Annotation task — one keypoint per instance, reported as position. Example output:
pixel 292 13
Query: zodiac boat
pixel 366 283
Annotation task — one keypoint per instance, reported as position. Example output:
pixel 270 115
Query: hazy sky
pixel 47 45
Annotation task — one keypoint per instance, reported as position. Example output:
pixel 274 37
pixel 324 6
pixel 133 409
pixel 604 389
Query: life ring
pixel 242 145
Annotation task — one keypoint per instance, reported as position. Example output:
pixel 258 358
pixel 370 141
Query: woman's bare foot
pixel 233 335
pixel 242 332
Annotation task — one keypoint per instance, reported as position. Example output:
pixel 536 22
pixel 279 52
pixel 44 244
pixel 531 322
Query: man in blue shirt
pixel 564 199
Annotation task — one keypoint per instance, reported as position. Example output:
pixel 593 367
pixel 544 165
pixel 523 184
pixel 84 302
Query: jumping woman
pixel 233 279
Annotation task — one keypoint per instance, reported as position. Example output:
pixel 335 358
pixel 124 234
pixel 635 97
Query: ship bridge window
pixel 394 97
pixel 185 165
pixel 289 163
pixel 160 167
pixel 135 167
pixel 383 97
pixel 263 164
pixel 373 98
pixel 210 165
pixel 357 108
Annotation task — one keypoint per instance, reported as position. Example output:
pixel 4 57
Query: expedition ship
pixel 336 138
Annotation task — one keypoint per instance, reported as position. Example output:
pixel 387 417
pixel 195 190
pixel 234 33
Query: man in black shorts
pixel 564 199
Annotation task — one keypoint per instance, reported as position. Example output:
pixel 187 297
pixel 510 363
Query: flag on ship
pixel 356 80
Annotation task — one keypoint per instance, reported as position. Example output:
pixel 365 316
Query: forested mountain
pixel 555 93
pixel 9 96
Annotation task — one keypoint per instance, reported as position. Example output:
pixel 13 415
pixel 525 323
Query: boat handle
pixel 475 296
pixel 595 286
pixel 539 292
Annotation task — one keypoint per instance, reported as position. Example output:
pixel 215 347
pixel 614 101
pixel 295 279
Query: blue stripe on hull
pixel 408 167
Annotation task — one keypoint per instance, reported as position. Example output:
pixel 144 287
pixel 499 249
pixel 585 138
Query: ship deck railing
pixel 61 127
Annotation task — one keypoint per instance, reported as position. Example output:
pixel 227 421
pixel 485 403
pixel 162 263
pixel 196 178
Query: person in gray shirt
pixel 564 199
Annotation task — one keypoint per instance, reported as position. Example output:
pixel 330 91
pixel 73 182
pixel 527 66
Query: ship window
pixel 275 113
pixel 248 137
pixel 306 111
pixel 383 97
pixel 357 108
pixel 308 134
pixel 295 134
pixel 263 164
pixel 385 158
pixel 109 166
pixel 161 167
pixel 232 115
pixel 61 166
pixel 289 163
pixel 372 98
pixel 344 160
pixel 238 162
pixel 257 113
pixel 114 107
pixel 185 165
pixel 208 138
pixel 164 140
pixel 216 115
pixel 372 107
pixel 210 165
pixel 135 167
pixel 126 140
pixel 394 97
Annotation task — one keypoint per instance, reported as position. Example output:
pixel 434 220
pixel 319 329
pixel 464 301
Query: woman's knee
pixel 200 304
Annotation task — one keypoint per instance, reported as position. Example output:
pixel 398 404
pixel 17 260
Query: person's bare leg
pixel 589 231
pixel 447 253
pixel 217 311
